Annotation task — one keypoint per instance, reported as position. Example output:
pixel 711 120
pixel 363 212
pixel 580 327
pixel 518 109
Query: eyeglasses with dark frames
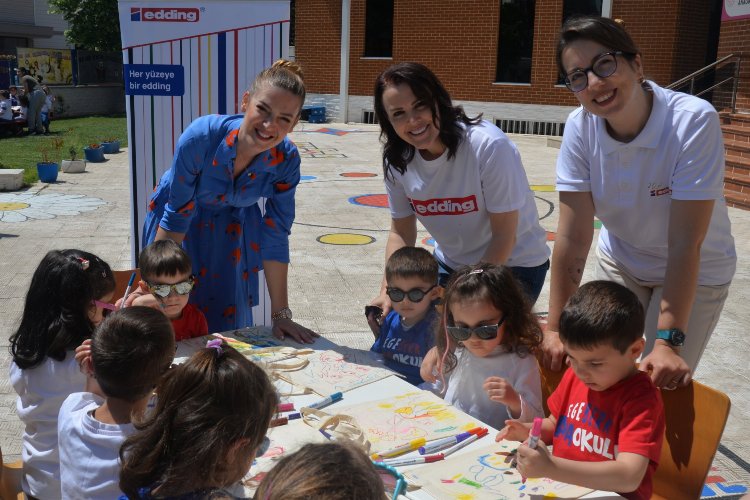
pixel 181 288
pixel 486 332
pixel 415 294
pixel 603 66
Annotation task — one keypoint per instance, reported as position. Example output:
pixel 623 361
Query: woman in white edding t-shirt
pixel 462 178
pixel 649 163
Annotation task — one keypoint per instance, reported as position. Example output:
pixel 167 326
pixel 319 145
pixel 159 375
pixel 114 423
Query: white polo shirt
pixel 678 155
pixel 453 198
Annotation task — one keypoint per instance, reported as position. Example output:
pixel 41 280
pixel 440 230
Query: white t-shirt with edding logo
pixel 679 155
pixel 453 198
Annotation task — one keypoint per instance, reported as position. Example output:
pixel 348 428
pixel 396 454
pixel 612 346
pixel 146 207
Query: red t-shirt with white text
pixel 594 426
pixel 191 324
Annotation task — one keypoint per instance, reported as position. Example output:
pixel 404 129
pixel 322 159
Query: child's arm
pixel 429 363
pixel 625 473
pixel 516 430
pixel 501 391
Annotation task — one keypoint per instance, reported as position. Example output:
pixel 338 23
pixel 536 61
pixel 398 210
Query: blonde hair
pixel 283 74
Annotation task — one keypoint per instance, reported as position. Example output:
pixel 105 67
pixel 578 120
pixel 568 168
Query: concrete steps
pixel 735 128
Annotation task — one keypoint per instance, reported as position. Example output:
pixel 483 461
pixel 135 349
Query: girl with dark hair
pixel 486 347
pixel 69 295
pixel 210 420
pixel 649 163
pixel 461 177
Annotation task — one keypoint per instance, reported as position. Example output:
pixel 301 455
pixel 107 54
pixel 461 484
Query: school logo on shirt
pixel 444 206
pixel 657 190
pixel 584 426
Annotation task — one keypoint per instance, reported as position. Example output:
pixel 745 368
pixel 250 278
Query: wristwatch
pixel 674 336
pixel 284 313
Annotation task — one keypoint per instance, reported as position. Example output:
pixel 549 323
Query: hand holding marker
pixel 536 433
pixel 127 290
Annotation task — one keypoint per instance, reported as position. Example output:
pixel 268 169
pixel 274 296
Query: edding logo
pixel 445 206
pixel 165 15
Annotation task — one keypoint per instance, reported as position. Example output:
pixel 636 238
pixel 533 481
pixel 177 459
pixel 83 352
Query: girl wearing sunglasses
pixel 486 346
pixel 68 296
pixel 649 163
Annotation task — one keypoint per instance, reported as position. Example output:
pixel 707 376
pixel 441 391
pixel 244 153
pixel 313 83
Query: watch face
pixel 678 338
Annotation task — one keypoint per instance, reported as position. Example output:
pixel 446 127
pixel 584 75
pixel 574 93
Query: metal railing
pixel 717 83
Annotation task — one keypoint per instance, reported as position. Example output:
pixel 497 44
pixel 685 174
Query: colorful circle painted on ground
pixel 33 206
pixel 543 188
pixel 358 174
pixel 370 200
pixel 429 241
pixel 345 239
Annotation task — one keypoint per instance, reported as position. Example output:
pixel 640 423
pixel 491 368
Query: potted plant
pixel 94 153
pixel 74 165
pixel 111 145
pixel 47 169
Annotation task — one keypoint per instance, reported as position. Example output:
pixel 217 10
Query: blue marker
pixel 336 396
pixel 127 290
pixel 441 444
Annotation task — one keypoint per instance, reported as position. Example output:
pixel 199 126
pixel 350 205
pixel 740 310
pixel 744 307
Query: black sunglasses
pixel 415 294
pixel 486 332
pixel 604 66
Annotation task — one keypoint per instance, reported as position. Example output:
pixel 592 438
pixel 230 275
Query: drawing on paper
pixel 284 440
pixel 328 372
pixel 488 473
pixel 397 420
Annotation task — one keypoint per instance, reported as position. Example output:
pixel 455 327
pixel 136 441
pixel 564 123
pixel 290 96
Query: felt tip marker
pixel 403 462
pixel 336 396
pixel 285 407
pixel 327 435
pixel 294 416
pixel 276 422
pixel 127 290
pixel 410 446
pixel 466 442
pixel 534 435
pixel 441 444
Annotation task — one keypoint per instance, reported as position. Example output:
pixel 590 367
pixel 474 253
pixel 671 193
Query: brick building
pixel 497 56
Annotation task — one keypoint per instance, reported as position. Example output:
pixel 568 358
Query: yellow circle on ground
pixel 546 188
pixel 346 239
pixel 13 205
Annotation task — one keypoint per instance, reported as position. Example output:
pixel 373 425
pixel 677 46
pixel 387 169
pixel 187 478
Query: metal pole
pixel 735 83
pixel 344 75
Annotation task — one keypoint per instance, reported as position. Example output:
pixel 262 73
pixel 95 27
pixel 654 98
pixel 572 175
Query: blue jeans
pixel 531 279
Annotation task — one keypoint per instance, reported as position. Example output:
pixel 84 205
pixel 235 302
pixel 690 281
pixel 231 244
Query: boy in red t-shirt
pixel 607 418
pixel 166 273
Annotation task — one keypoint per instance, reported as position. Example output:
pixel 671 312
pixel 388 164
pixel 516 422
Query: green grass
pixel 25 152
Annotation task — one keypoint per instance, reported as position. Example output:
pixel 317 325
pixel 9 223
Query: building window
pixel 515 41
pixel 379 28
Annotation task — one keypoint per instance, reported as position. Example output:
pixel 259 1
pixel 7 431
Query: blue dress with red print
pixel 227 234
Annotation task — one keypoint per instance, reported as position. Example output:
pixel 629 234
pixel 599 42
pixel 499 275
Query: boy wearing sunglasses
pixel 166 274
pixel 406 334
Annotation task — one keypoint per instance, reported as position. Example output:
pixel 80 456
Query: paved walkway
pixel 337 252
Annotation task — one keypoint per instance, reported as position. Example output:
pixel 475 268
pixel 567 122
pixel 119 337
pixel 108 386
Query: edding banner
pixel 183 60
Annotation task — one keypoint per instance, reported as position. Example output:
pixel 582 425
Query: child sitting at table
pixel 69 295
pixel 130 351
pixel 334 471
pixel 166 274
pixel 210 420
pixel 405 335
pixel 607 418
pixel 485 346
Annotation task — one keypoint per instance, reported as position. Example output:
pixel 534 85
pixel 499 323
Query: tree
pixel 93 24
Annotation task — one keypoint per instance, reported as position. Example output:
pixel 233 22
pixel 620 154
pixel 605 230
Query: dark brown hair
pixel 205 407
pixel 130 351
pixel 330 471
pixel 496 285
pixel 428 89
pixel 55 315
pixel 601 30
pixel 163 258
pixel 412 262
pixel 602 312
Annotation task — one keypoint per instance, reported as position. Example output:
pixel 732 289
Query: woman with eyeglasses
pixel 460 177
pixel 649 163
pixel 486 345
